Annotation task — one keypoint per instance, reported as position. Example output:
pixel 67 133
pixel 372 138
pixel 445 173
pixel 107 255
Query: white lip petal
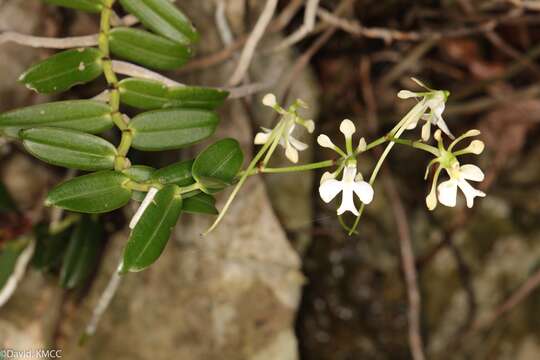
pixel 406 94
pixel 469 192
pixel 329 189
pixel 291 153
pixel 447 191
pixel 347 200
pixel 364 191
pixel 297 144
pixel 261 138
pixel 471 172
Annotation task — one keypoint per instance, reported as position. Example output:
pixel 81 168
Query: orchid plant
pixel 167 115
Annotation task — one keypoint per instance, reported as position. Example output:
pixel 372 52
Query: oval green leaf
pixel 217 166
pixel 200 204
pixel 84 5
pixel 98 192
pixel 64 70
pixel 178 173
pixel 84 115
pixel 82 254
pixel 147 49
pixel 139 173
pixel 152 232
pixel 153 95
pixel 172 129
pixel 162 17
pixel 69 148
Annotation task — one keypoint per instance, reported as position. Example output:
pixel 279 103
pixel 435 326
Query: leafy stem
pixel 112 81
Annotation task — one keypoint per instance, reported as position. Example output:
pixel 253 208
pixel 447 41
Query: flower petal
pixel 469 192
pixel 324 141
pixel 297 144
pixel 426 131
pixel 261 138
pixel 447 191
pixel 329 189
pixel 471 172
pixel 364 191
pixel 347 128
pixel 291 153
pixel 347 200
pixel 406 94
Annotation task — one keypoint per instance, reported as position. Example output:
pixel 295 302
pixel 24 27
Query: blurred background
pixel 280 279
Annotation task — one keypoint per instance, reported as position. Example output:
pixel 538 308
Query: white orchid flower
pixel 447 190
pixel 350 184
pixel 291 145
pixel 435 101
pixel 284 130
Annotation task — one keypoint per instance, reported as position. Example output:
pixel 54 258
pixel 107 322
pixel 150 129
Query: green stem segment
pixel 112 81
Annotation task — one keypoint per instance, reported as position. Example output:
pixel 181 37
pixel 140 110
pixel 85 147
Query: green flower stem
pixel 112 81
pixel 414 114
pixel 376 142
pixel 417 145
pixel 241 182
pixel 274 139
pixel 288 169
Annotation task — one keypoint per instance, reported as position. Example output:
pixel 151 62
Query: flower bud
pixel 362 146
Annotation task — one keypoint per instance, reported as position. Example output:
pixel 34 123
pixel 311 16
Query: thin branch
pixel 253 40
pixel 310 15
pixel 389 35
pixel 409 269
pixel 129 69
pixel 47 42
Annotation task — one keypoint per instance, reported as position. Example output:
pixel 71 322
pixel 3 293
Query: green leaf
pixel 93 193
pixel 64 70
pixel 139 173
pixel 6 202
pixel 84 5
pixel 153 95
pixel 84 115
pixel 217 166
pixel 200 204
pixel 50 248
pixel 69 148
pixel 172 129
pixel 153 230
pixel 147 49
pixel 82 254
pixel 178 173
pixel 163 18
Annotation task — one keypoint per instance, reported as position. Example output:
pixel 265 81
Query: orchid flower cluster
pixel 356 192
